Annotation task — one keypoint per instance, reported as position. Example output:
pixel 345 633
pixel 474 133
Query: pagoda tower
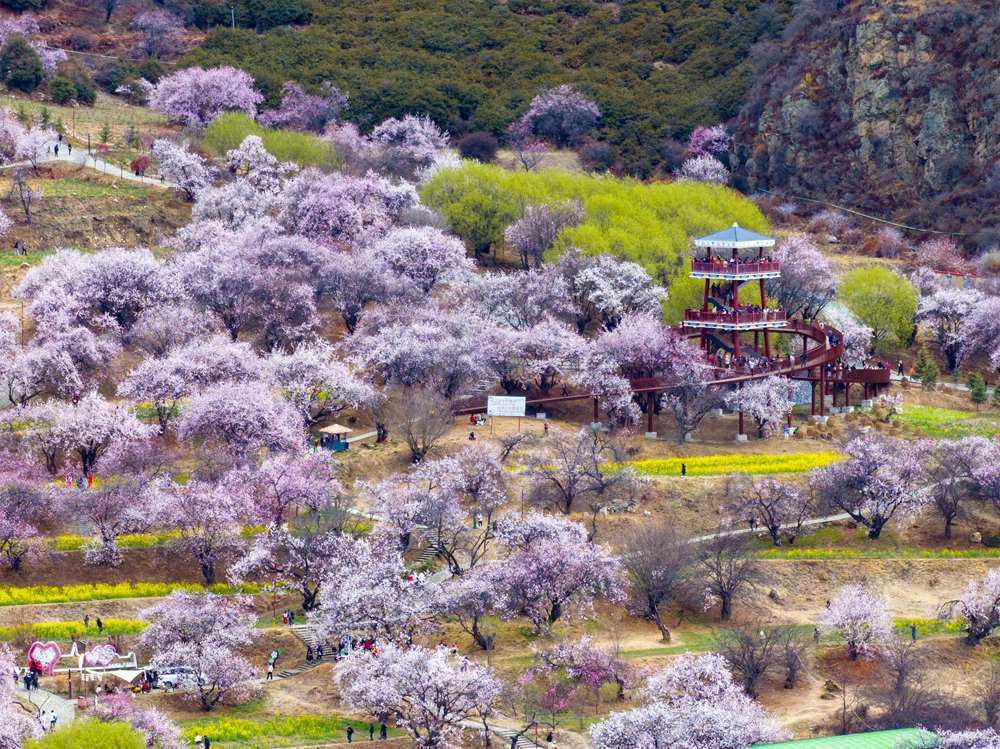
pixel 733 257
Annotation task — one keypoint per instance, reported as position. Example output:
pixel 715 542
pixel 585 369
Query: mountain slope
pixel 890 106
pixel 656 69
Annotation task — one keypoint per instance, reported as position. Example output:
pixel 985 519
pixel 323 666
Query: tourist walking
pixel 371 731
pixel 350 734
pixel 383 731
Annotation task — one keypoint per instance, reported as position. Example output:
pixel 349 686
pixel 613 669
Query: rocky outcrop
pixel 890 106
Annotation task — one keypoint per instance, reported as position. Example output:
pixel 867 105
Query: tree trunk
pixel 727 607
pixel 208 572
pixel 309 598
pixel 948 520
pixel 654 612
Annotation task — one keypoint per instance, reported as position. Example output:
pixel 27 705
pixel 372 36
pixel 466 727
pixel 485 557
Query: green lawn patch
pixel 949 422
pixel 227 131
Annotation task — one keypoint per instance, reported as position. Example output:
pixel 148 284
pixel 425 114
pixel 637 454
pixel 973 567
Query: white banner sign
pixel 505 405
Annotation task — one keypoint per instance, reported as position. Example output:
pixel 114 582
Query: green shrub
pixel 650 224
pixel 62 89
pixel 227 131
pixel 20 65
pixel 90 733
pixel 881 299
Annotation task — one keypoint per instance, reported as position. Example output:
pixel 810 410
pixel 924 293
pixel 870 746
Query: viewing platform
pixel 721 270
pixel 763 320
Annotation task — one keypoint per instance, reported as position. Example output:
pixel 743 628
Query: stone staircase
pixel 306 633
pixel 502 736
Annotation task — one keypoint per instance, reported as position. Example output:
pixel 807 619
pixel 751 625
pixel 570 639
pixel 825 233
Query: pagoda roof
pixel 735 237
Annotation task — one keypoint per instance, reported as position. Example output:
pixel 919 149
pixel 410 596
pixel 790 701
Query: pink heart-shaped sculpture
pixel 46 655
pixel 100 655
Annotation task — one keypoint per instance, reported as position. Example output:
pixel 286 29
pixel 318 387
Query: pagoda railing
pixel 729 267
pixel 735 318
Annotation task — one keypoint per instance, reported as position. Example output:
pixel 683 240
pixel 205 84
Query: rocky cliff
pixel 890 106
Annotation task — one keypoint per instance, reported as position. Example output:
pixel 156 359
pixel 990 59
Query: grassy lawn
pixel 948 422
pixel 269 733
pixel 79 121
pixel 839 542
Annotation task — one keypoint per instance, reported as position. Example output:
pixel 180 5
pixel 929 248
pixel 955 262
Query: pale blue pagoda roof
pixel 735 237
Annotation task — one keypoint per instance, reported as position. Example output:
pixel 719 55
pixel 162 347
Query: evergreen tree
pixel 22 116
pixel 977 389
pixel 926 369
pixel 20 65
pixel 105 134
pixel 46 117
pixel 996 395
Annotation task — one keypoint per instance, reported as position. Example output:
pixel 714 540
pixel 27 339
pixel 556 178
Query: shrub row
pixel 35 594
pixel 63 631
pixel 717 465
pixel 878 553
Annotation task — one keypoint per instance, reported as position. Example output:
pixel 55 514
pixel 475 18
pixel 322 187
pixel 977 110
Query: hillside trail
pixel 79 157
pixel 48 702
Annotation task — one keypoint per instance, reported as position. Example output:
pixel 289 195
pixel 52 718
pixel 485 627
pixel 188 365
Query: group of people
pixel 97 622
pixel 341 649
pixel 383 732
pixel 20 247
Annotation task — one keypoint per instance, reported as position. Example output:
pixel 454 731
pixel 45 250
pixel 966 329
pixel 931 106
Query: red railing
pixel 722 266
pixel 735 318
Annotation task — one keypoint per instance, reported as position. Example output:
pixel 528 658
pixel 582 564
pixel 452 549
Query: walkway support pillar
pixel 822 390
pixel 812 394
pixel 650 401
pixel 596 414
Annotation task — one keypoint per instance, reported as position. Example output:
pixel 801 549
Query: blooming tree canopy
pixel 242 418
pixel 204 633
pixel 608 289
pixel 807 282
pixel 882 478
pixel 208 516
pixel 535 232
pixel 407 145
pixel 980 332
pixel 189 171
pixel 15 724
pixel 551 570
pixel 979 607
pixel 560 115
pixel 767 401
pixel 944 311
pixel 776 505
pixel 704 168
pixel 860 617
pixel 303 111
pixel 710 140
pixel 316 382
pixel 423 254
pixel 428 693
pixel 368 585
pixel 195 96
pixel 695 705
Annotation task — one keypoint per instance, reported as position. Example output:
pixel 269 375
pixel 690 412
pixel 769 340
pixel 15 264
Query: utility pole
pixel 232 16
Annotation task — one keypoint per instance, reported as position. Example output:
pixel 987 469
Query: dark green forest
pixel 656 68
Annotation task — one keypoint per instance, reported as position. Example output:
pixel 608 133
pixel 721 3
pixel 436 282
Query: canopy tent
pixel 735 238
pixel 336 430
pixel 918 739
